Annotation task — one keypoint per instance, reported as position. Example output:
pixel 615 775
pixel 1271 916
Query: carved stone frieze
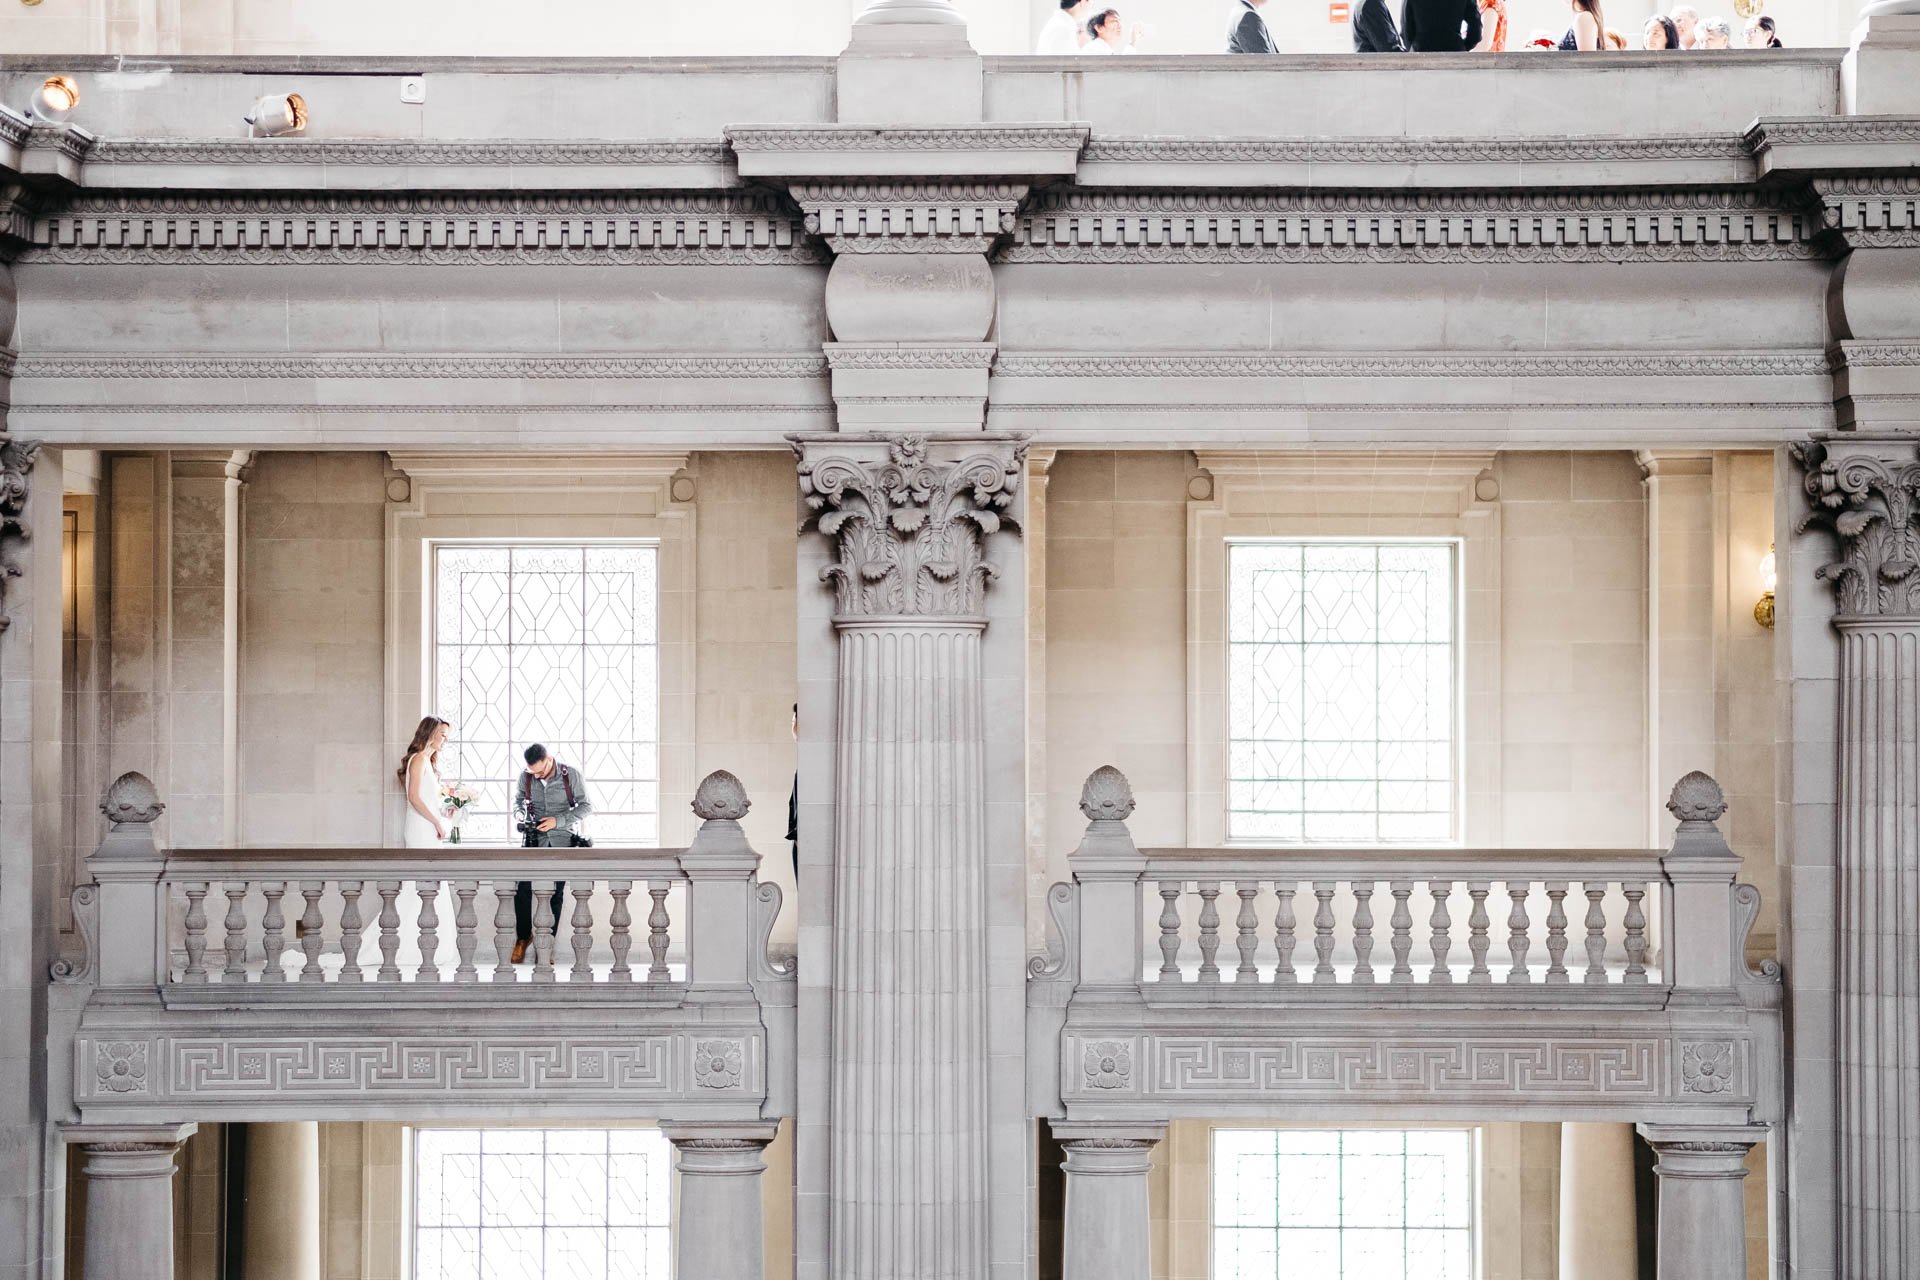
pixel 1868 500
pixel 16 464
pixel 728 365
pixel 1706 1068
pixel 909 216
pixel 835 138
pixel 1871 212
pixel 1076 225
pixel 1372 364
pixel 404 151
pixel 1402 151
pixel 910 530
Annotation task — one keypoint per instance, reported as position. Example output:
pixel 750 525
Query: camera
pixel 529 833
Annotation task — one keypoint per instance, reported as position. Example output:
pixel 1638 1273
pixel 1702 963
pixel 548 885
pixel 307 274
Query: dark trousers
pixel 523 909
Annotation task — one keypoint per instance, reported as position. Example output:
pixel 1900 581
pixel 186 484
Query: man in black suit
pixel 1373 29
pixel 1248 32
pixel 1440 26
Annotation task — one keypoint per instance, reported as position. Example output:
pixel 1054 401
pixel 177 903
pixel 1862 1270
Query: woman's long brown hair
pixel 419 744
pixel 1599 21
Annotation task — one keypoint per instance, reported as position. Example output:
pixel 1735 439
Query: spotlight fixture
pixel 278 114
pixel 1769 579
pixel 55 99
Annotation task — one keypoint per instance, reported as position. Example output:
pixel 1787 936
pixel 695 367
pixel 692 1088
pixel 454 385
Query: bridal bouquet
pixel 456 796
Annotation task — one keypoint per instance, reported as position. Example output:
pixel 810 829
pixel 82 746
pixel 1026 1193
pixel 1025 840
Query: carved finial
pixel 1697 798
pixel 720 796
pixel 1107 796
pixel 132 801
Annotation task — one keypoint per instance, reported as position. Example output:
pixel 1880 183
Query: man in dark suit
pixel 1248 31
pixel 1373 29
pixel 1440 26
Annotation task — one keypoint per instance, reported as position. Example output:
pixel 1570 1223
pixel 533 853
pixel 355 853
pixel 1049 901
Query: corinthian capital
pixel 910 517
pixel 1867 496
pixel 16 463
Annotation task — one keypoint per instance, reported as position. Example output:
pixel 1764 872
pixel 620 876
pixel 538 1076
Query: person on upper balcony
pixel 1660 33
pixel 1373 29
pixel 1762 33
pixel 1066 30
pixel 1715 33
pixel 1109 35
pixel 1440 26
pixel 1247 31
pixel 550 804
pixel 1587 32
pixel 1686 21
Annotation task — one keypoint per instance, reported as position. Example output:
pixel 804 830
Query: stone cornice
pixel 1359 364
pixel 278 365
pixel 1828 144
pixel 909 217
pixel 1006 151
pixel 1872 212
pixel 403 151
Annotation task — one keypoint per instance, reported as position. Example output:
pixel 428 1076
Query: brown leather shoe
pixel 519 950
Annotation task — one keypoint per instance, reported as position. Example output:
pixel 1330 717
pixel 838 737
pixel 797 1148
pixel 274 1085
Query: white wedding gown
pixel 415 831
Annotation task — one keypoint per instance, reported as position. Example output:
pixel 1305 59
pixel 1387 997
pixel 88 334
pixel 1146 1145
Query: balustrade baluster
pixel 429 925
pixel 1636 936
pixel 350 931
pixel 1245 927
pixel 1477 941
pixel 657 924
pixel 543 926
pixel 1442 925
pixel 582 932
pixel 1170 891
pixel 503 933
pixel 235 953
pixel 273 932
pixel 1323 931
pixel 389 921
pixel 1596 934
pixel 1283 927
pixel 621 922
pixel 1363 932
pixel 1556 932
pixel 196 970
pixel 466 928
pixel 1402 922
pixel 1209 930
pixel 1517 940
pixel 311 924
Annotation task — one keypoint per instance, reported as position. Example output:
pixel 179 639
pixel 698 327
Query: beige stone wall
pixel 1745 701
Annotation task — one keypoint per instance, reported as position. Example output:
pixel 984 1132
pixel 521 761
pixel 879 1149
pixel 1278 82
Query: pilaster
pixel 1680 629
pixel 204 645
pixel 129 1174
pixel 1702 1228
pixel 1106 1235
pixel 720 1231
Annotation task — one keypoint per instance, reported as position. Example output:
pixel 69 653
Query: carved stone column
pixel 1596 1202
pixel 719 1234
pixel 910 520
pixel 129 1171
pixel 1106 1236
pixel 1703 1219
pixel 282 1237
pixel 1866 490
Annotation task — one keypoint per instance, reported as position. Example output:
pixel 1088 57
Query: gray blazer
pixel 1249 33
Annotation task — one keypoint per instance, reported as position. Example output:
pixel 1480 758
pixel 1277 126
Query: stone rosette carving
pixel 721 797
pixel 132 800
pixel 121 1065
pixel 911 532
pixel 1106 796
pixel 1107 1064
pixel 1697 798
pixel 716 1063
pixel 1706 1067
pixel 1869 503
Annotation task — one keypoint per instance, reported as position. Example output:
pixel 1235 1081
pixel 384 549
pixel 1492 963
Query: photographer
pixel 549 805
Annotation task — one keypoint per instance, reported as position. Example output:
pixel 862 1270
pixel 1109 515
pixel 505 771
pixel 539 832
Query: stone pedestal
pixel 1880 76
pixel 129 1171
pixel 282 1234
pixel 1867 490
pixel 1702 1232
pixel 1597 1227
pixel 1106 1235
pixel 909 1150
pixel 719 1234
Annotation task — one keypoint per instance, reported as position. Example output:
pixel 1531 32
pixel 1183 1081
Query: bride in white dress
pixel 424 819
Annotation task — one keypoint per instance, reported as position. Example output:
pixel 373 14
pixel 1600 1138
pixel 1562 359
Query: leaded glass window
pixel 1342 691
pixel 540 642
pixel 541 1204
pixel 1362 1204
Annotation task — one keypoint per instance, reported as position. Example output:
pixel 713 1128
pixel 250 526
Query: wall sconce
pixel 279 114
pixel 1769 579
pixel 55 99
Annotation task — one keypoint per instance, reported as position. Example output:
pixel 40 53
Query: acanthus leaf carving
pixel 1869 503
pixel 16 462
pixel 911 532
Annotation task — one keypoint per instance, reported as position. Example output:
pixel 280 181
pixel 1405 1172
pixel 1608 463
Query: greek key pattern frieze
pixel 1079 226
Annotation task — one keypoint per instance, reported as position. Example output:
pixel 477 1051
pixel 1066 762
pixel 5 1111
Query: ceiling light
pixel 278 114
pixel 55 99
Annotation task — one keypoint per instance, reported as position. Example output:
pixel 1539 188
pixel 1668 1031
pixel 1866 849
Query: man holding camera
pixel 549 805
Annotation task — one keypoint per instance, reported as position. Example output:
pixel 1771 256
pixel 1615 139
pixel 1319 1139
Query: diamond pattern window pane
pixel 541 1204
pixel 1342 692
pixel 537 642
pixel 1362 1204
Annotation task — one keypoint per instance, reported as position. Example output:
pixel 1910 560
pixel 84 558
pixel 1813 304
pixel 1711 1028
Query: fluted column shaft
pixel 129 1171
pixel 909 990
pixel 1878 912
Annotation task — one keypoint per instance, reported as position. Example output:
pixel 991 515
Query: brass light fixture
pixel 278 114
pixel 1769 579
pixel 55 99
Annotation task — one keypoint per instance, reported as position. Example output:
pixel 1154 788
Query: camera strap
pixel 526 786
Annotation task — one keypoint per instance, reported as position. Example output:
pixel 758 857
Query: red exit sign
pixel 1338 12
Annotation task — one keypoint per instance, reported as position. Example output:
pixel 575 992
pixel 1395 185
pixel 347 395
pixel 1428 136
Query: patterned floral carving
pixel 1706 1068
pixel 121 1065
pixel 1869 502
pixel 911 532
pixel 716 1064
pixel 16 461
pixel 1107 1064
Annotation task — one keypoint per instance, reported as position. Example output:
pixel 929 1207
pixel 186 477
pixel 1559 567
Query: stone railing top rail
pixel 1386 863
pixel 456 862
